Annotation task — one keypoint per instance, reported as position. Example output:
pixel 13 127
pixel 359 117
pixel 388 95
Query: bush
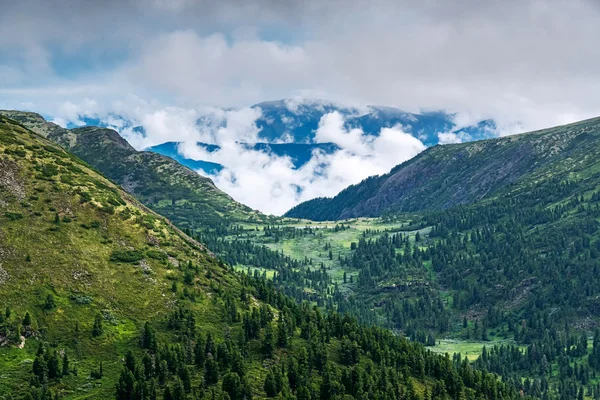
pixel 128 256
pixel 13 216
pixel 156 254
pixel 80 299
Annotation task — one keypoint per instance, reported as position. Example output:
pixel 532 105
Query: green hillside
pixel 104 299
pixel 516 271
pixel 159 182
pixel 449 175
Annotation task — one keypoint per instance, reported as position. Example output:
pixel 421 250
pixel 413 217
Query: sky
pixel 526 64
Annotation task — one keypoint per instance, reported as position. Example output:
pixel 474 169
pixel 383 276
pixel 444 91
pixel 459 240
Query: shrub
pixel 128 256
pixel 156 254
pixel 13 216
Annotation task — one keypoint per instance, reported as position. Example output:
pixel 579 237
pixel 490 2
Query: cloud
pixel 259 179
pixel 449 138
pixel 272 184
pixel 526 64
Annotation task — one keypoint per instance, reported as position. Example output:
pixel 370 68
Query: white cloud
pixel 448 138
pixel 272 184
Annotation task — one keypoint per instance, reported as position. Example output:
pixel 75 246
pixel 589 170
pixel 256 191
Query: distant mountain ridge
pixel 445 176
pixel 293 123
pixel 299 153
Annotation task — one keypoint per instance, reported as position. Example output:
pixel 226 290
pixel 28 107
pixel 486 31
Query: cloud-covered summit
pixel 276 154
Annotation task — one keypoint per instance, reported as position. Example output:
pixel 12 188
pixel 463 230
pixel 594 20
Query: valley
pixel 299 200
pixel 103 298
pixel 504 283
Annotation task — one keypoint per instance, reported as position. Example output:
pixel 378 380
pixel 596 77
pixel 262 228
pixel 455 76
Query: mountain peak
pixel 105 134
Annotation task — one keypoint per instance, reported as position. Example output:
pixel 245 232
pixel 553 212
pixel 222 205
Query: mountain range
pixel 287 128
pixel 103 298
pixel 490 245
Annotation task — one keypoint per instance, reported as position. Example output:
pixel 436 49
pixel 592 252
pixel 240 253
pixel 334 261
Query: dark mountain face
pixel 444 176
pixel 298 122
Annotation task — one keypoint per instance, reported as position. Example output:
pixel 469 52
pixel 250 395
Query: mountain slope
pixel 105 299
pixel 158 181
pixel 70 235
pixel 444 176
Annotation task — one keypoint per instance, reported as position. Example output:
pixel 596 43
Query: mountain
pixel 171 149
pixel 158 181
pixel 299 153
pixel 298 121
pixel 105 299
pixel 449 175
pixel 287 128
pixel 488 249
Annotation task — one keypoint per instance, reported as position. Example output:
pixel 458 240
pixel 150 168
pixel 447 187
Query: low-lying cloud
pixel 271 184
pixel 266 181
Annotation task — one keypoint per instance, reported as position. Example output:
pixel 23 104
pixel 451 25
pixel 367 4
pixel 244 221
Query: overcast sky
pixel 527 64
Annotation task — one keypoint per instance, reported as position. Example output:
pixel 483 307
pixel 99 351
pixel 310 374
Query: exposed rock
pixel 10 180
pixel 4 276
pixel 145 266
pixel 174 261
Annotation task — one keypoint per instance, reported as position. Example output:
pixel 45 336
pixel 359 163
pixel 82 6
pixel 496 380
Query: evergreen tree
pixel 232 385
pixel 267 343
pixel 27 319
pixel 97 329
pixel 66 367
pixel 270 385
pixel 211 371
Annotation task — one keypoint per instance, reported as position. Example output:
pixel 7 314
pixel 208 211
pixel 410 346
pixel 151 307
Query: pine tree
pixel 232 385
pixel 270 385
pixel 66 367
pixel 267 343
pixel 149 338
pixel 282 331
pixel 211 371
pixel 97 330
pixel 53 366
pixel 27 319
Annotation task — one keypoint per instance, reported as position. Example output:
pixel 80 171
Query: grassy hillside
pixel 70 235
pixel 449 175
pixel 102 298
pixel 159 182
